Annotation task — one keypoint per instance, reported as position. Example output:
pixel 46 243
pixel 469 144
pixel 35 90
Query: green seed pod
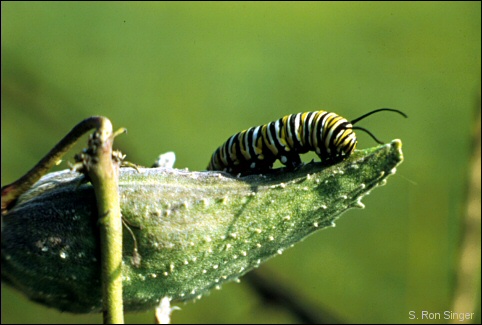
pixel 195 230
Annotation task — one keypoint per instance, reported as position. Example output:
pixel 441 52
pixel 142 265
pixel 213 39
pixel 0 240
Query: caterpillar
pixel 256 149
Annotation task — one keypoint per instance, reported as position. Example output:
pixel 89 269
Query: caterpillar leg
pixel 291 161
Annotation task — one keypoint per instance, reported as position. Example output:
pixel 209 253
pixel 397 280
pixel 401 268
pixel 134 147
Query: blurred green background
pixel 185 76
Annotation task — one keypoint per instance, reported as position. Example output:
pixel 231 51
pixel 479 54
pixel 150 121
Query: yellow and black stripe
pixel 256 149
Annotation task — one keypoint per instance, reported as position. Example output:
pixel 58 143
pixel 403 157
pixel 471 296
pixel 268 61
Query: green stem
pixel 104 175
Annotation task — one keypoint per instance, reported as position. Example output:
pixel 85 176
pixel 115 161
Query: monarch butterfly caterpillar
pixel 256 149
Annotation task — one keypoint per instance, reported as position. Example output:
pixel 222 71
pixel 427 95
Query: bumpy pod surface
pixel 195 230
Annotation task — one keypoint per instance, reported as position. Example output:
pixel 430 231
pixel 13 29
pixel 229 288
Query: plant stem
pixel 12 191
pixel 104 175
pixel 103 170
